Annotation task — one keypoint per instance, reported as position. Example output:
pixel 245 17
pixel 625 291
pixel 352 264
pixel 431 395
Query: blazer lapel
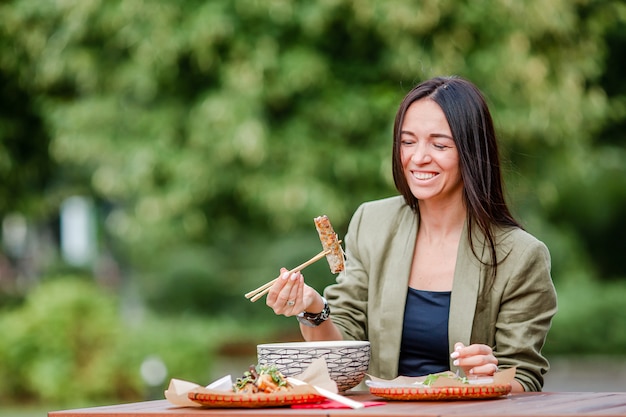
pixel 467 277
pixel 397 271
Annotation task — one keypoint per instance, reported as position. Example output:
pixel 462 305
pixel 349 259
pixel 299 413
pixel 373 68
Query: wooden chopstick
pixel 330 395
pixel 254 295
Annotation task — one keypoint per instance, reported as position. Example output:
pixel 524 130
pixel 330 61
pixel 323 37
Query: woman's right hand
pixel 289 295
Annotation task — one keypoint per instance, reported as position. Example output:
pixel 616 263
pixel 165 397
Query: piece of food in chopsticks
pixel 332 250
pixel 330 242
pixel 261 379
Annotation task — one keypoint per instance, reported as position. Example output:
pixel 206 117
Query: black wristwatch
pixel 315 319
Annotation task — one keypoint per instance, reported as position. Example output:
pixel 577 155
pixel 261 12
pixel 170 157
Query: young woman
pixel 441 277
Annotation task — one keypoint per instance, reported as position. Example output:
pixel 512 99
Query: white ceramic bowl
pixel 347 360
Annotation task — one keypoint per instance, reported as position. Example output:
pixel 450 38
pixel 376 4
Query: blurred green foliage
pixel 69 344
pixel 206 123
pixel 62 345
pixel 211 132
pixel 590 320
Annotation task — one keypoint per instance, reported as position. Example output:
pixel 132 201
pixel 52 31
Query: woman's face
pixel 430 158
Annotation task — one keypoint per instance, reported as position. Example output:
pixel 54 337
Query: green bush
pixel 61 345
pixel 71 343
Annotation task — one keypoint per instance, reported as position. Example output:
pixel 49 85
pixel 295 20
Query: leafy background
pixel 208 134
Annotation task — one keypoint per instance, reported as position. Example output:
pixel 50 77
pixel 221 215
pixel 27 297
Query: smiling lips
pixel 424 175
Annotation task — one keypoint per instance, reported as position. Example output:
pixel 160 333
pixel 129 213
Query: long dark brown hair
pixel 473 132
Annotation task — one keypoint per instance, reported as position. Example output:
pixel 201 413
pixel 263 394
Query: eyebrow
pixel 433 135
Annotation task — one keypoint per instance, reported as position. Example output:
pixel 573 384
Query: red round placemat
pixel 253 400
pixel 469 392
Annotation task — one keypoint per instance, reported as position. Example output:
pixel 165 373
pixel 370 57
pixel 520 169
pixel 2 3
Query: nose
pixel 421 155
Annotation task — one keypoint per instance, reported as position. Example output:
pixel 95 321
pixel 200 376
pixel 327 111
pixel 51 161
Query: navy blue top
pixel 424 349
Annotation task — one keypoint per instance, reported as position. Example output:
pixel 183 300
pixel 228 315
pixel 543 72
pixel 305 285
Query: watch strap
pixel 315 319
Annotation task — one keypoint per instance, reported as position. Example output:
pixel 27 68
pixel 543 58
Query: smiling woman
pixel 442 276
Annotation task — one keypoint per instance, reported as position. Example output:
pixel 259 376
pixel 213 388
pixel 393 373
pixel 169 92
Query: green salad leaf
pixel 430 379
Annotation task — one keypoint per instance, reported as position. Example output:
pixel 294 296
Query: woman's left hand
pixel 475 360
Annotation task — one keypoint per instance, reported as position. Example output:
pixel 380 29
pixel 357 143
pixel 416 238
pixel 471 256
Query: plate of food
pixel 260 386
pixel 471 392
pixel 442 386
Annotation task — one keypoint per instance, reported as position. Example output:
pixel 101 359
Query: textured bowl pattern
pixel 347 361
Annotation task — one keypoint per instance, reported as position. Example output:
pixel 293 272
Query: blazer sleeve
pixel 525 310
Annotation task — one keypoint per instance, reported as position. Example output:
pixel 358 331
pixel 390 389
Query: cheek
pixel 457 171
pixel 405 157
pixel 452 163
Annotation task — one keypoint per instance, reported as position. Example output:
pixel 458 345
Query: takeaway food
pixel 261 379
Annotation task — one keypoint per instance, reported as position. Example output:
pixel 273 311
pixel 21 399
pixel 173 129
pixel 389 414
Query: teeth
pixel 423 175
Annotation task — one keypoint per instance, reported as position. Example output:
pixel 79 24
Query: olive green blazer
pixel 367 301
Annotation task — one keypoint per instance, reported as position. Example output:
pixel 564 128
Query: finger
pixel 284 301
pixel 469 362
pixel 300 296
pixel 293 301
pixel 458 347
pixel 473 360
pixel 461 351
pixel 275 289
pixel 486 369
pixel 477 364
pixel 476 349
